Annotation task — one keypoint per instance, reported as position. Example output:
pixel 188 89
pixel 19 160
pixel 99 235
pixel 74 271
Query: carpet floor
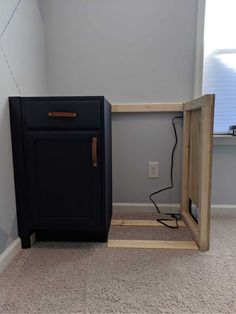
pixel 59 277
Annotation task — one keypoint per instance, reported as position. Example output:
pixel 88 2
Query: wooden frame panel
pixel 144 223
pixel 196 170
pixel 147 107
pixel 197 164
pixel 152 244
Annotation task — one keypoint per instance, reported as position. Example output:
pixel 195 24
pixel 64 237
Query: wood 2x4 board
pixel 196 159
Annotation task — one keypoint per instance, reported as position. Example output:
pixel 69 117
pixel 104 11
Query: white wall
pixel 22 71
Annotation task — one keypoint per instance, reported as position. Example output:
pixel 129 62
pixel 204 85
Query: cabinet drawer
pixel 61 114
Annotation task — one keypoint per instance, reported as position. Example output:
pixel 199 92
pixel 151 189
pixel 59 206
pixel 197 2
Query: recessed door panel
pixel 63 180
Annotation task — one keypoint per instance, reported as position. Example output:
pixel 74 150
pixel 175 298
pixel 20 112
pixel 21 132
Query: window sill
pixel 224 139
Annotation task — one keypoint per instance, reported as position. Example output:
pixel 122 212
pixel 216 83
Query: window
pixel 219 69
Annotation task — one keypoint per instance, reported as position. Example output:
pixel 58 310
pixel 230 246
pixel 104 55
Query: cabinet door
pixel 63 178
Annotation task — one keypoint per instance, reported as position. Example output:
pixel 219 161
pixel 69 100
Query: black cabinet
pixel 62 166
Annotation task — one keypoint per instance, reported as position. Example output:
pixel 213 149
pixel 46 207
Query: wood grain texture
pixel 207 118
pixel 192 224
pixel 147 107
pixel 198 103
pixel 153 244
pixel 185 162
pixel 194 156
pixel 146 223
pixel 197 164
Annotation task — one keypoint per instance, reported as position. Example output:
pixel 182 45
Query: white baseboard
pixel 223 209
pixel 223 206
pixel 9 254
pixel 149 207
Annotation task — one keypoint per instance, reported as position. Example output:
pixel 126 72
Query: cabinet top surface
pixel 45 98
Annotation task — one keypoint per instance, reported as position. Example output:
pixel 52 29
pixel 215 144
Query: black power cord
pixel 177 217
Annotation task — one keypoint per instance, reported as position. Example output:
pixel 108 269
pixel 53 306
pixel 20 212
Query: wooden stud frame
pixel 196 160
pixel 153 244
pixel 144 223
pixel 197 165
pixel 147 107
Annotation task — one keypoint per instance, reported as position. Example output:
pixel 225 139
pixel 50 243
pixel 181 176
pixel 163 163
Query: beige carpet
pixel 90 278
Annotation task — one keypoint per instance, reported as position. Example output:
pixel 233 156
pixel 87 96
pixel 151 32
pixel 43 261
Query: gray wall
pixel 128 50
pixel 224 173
pixel 22 71
pixel 132 50
pixel 137 139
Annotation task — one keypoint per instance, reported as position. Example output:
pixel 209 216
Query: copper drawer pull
pixel 94 152
pixel 63 114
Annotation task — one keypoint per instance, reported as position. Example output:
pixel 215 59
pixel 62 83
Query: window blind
pixel 219 69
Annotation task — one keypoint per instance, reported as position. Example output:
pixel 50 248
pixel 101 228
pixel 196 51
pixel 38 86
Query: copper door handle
pixel 61 114
pixel 94 152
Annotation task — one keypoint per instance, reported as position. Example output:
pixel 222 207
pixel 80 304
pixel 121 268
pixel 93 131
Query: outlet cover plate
pixel 153 169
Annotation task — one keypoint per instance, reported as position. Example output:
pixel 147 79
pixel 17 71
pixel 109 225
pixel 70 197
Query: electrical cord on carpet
pixel 176 216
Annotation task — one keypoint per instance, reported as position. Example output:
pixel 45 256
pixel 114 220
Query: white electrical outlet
pixel 153 169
